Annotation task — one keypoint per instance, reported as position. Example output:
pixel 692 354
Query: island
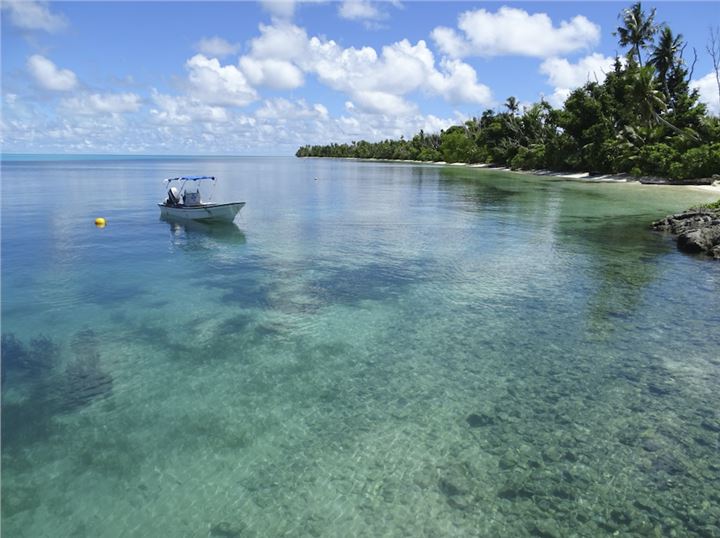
pixel 643 121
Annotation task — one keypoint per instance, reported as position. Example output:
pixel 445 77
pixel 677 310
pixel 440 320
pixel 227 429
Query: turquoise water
pixel 388 350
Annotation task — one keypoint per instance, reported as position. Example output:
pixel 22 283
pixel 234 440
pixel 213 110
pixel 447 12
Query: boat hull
pixel 205 212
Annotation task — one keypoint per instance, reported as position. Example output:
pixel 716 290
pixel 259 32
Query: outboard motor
pixel 173 196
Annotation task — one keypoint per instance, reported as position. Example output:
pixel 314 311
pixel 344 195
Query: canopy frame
pixel 189 178
pixel 185 179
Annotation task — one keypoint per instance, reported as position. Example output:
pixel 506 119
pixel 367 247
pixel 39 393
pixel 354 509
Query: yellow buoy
pixel 100 222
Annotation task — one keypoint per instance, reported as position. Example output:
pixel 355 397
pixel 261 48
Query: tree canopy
pixel 642 119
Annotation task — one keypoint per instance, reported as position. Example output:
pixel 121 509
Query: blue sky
pixel 264 77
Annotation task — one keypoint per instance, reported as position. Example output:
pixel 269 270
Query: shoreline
pixel 585 177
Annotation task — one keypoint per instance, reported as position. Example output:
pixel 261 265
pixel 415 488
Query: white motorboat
pixel 184 203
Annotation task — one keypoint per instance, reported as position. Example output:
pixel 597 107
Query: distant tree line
pixel 643 119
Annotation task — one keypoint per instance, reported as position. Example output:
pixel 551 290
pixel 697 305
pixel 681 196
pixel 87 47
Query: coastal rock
pixel 698 230
pixel 703 240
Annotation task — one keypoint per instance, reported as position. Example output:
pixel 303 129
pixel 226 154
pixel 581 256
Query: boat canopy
pixel 189 178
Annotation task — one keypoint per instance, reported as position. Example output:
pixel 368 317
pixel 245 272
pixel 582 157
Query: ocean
pixel 370 349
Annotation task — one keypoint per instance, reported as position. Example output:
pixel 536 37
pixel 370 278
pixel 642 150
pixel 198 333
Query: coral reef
pixel 47 389
pixel 37 359
pixel 83 380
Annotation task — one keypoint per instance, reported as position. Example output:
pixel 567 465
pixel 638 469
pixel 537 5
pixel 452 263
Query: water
pixel 388 350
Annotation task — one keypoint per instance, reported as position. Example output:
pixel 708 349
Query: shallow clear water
pixel 388 350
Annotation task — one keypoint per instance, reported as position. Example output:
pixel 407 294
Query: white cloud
pixel 450 43
pixel 217 46
pixel 379 85
pixel 215 84
pixel 379 82
pixel 49 76
pixel 359 10
pixel 283 110
pixel 558 97
pixel 562 74
pixel 108 103
pixel 321 110
pixel 278 74
pixel 433 124
pixel 374 127
pixel 459 84
pixel 288 124
pixel 284 9
pixel 182 124
pixel 368 12
pixel 280 41
pixel 708 89
pixel 30 15
pixel 376 82
pixel 383 103
pixel 512 31
pixel 282 124
pixel 566 76
pixel 174 110
pixel 279 8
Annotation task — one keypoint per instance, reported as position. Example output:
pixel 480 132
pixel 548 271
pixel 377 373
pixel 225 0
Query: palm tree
pixel 512 105
pixel 637 30
pixel 665 56
pixel 646 95
pixel 651 101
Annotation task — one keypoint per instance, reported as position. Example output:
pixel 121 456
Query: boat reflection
pixel 197 234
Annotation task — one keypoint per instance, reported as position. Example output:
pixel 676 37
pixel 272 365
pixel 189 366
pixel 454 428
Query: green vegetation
pixel 643 119
pixel 710 205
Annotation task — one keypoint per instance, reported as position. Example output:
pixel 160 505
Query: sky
pixel 263 78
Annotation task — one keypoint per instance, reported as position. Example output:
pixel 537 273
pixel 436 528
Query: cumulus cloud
pixel 108 103
pixel 179 110
pixel 182 124
pixel 359 10
pixel 284 9
pixel 458 83
pixel 278 74
pixel 48 76
pixel 512 31
pixel 563 74
pixel 566 76
pixel 30 15
pixel 376 82
pixel 708 89
pixel 280 41
pixel 215 84
pixel 558 97
pixel 284 110
pixel 379 82
pixel 374 127
pixel 383 103
pixel 217 46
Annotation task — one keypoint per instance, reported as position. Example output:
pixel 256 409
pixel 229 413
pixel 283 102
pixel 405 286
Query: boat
pixel 184 203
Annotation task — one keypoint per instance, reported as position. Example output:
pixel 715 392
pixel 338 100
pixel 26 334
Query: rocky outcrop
pixel 698 230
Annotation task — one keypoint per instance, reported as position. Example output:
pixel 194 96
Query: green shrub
pixel 703 161
pixel 429 154
pixel 532 158
pixel 656 159
pixel 619 156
